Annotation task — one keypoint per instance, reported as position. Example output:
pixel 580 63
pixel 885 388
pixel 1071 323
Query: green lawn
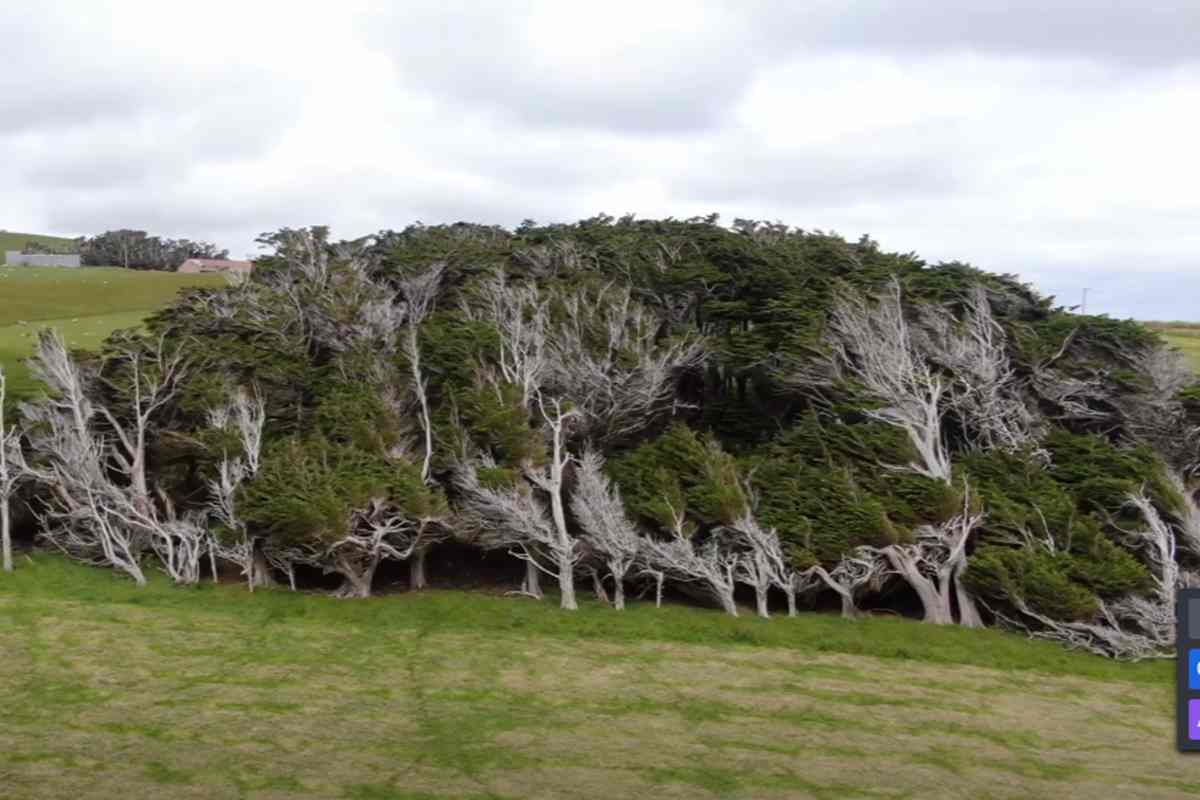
pixel 111 691
pixel 16 241
pixel 85 305
pixel 1188 341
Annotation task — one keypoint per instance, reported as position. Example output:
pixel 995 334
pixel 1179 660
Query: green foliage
pixel 132 249
pixel 1020 494
pixel 307 489
pixel 822 472
pixel 1036 576
pixel 356 415
pixel 679 472
pixel 1026 501
pixel 820 513
pixel 1100 475
pixel 495 421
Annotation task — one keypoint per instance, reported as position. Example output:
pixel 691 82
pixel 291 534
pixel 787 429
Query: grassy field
pixel 111 691
pixel 16 241
pixel 85 305
pixel 1188 341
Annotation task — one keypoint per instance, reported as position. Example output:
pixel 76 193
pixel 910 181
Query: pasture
pixel 1185 337
pixel 85 305
pixel 16 241
pixel 213 692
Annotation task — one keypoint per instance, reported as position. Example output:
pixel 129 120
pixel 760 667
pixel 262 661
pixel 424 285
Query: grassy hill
pixel 1186 337
pixel 214 692
pixel 15 241
pixel 85 305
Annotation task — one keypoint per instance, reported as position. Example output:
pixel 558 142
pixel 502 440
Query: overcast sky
pixel 1060 144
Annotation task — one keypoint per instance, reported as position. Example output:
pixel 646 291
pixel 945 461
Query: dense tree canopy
pixel 647 402
pixel 133 249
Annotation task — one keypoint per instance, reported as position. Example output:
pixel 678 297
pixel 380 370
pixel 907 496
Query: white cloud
pixel 1056 143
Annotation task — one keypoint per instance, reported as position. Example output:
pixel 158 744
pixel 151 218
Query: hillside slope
pixel 15 241
pixel 85 305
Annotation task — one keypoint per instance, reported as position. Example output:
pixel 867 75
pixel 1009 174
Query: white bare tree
pixel 151 378
pixel 245 414
pixel 520 314
pixel 713 565
pixel 551 480
pixel 761 562
pixel 611 358
pixel 862 568
pixel 12 470
pixel 377 533
pixel 917 371
pixel 985 393
pixel 607 530
pixel 873 344
pixel 99 507
pixel 1189 515
pixel 934 564
pixel 420 293
pixel 513 518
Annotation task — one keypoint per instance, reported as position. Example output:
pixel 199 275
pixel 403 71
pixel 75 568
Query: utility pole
pixel 1083 305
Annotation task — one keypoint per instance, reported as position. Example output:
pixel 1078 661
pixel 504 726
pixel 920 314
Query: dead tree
pixel 99 508
pixel 611 358
pixel 862 568
pixel 520 315
pixel 873 344
pixel 550 479
pixel 246 414
pixel 761 562
pixel 420 292
pixel 377 533
pixel 1189 515
pixel 151 379
pixel 934 564
pixel 607 530
pixel 984 394
pixel 512 518
pixel 12 470
pixel 712 564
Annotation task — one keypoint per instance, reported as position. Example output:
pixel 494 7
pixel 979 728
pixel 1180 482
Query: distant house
pixel 215 265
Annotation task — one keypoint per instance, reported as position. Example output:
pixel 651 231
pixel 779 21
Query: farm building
pixel 215 265
pixel 15 258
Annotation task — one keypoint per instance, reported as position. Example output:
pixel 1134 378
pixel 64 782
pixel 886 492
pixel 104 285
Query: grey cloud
pixel 478 54
pixel 1155 33
pixel 819 178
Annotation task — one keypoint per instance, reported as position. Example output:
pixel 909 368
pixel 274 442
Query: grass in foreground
pixel 212 692
pixel 85 305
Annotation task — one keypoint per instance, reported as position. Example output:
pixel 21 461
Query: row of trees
pixel 134 249
pixel 646 404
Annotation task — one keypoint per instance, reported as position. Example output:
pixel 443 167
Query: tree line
pixel 636 404
pixel 131 249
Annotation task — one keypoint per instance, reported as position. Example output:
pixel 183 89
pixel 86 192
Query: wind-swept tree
pixel 607 529
pixel 12 470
